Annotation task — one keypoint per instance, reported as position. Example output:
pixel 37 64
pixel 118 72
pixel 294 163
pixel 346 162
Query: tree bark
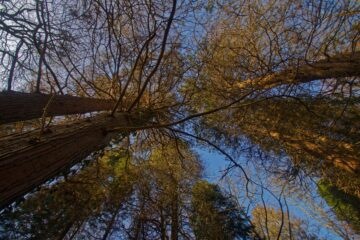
pixel 28 160
pixel 341 65
pixel 162 225
pixel 111 223
pixel 175 217
pixel 17 106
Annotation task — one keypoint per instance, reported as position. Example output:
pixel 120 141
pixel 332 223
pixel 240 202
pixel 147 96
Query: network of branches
pixel 107 104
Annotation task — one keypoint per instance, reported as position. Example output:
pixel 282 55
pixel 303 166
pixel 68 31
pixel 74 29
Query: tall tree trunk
pixel 16 106
pixel 28 160
pixel 341 65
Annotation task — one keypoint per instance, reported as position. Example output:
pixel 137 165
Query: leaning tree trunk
pixel 341 65
pixel 16 106
pixel 28 160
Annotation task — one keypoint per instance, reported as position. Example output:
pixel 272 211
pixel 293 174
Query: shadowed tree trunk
pixel 139 225
pixel 175 217
pixel 28 160
pixel 112 221
pixel 16 106
pixel 63 233
pixel 341 65
pixel 162 225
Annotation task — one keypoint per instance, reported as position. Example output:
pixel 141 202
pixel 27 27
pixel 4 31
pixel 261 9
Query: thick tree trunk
pixel 16 106
pixel 342 65
pixel 28 160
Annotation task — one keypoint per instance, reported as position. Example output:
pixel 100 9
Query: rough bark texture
pixel 28 160
pixel 16 106
pixel 342 65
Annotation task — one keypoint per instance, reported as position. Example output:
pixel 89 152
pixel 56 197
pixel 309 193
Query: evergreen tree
pixel 216 216
pixel 345 205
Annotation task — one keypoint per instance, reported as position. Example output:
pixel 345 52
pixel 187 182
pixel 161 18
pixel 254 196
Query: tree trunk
pixel 111 223
pixel 162 225
pixel 16 106
pixel 28 160
pixel 341 65
pixel 175 217
pixel 65 231
pixel 139 225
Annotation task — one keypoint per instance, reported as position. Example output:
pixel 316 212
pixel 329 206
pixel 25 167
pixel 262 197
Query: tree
pixel 17 106
pixel 341 65
pixel 119 194
pixel 295 119
pixel 55 150
pixel 269 227
pixel 299 128
pixel 345 206
pixel 216 216
pixel 57 57
pixel 92 197
pixel 163 194
pixel 233 82
pixel 290 91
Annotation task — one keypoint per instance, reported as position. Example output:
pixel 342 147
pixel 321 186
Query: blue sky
pixel 214 163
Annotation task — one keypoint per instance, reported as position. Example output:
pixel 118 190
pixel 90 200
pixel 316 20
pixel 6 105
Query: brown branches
pixel 161 54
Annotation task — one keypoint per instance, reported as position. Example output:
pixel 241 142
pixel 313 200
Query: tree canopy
pixel 107 108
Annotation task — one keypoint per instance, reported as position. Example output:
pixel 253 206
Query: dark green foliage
pixel 216 216
pixel 345 206
pixel 90 198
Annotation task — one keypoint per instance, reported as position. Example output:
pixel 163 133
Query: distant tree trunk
pixel 77 229
pixel 175 218
pixel 111 222
pixel 341 65
pixel 28 160
pixel 65 231
pixel 16 106
pixel 162 225
pixel 139 224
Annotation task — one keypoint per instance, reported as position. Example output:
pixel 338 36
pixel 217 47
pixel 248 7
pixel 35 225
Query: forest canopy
pixel 114 113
